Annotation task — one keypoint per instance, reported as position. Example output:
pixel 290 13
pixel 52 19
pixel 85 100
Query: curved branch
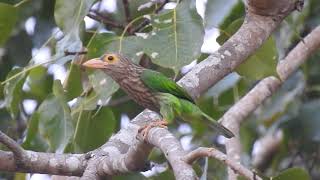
pixel 45 163
pixel 265 88
pixel 173 152
pixel 123 153
pixel 18 152
pixel 213 153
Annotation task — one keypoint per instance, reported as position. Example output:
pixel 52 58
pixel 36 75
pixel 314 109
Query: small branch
pixel 19 153
pixel 146 21
pixel 67 53
pixel 101 18
pixel 126 10
pixel 216 154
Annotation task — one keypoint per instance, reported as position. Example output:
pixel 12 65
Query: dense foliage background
pixel 49 103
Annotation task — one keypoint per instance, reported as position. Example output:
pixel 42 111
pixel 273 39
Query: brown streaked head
pixel 105 61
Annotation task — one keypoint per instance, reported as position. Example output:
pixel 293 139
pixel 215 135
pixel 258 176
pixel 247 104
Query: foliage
pixel 80 112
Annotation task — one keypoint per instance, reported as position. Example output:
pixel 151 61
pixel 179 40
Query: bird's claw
pixel 145 129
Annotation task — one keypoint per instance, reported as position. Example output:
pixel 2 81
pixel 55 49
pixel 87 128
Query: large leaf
pixel 237 11
pixel 93 129
pixel 8 18
pixel 39 82
pixel 216 11
pixel 69 16
pixel 293 174
pixel 55 119
pixel 103 85
pixel 262 63
pixel 33 140
pixel 73 84
pixel 176 38
pixel 13 92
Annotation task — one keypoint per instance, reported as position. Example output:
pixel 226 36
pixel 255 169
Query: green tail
pixel 217 126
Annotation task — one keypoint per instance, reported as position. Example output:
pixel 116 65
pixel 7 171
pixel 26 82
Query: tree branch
pixel 123 153
pixel 18 152
pixel 213 153
pixel 96 15
pixel 146 21
pixel 126 10
pixel 45 163
pixel 173 152
pixel 265 88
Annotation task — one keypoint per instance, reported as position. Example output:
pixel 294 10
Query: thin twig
pixel 16 149
pixel 126 10
pixel 216 154
pixel 101 18
pixel 146 21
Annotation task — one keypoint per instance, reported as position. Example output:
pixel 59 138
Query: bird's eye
pixel 110 58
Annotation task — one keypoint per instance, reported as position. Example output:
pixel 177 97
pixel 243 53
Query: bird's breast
pixel 141 94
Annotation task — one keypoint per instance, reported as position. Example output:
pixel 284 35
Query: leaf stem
pixel 20 3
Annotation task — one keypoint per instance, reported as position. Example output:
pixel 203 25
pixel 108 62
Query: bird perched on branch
pixel 154 91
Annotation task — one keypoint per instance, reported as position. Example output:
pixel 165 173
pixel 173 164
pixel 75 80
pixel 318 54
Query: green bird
pixel 154 91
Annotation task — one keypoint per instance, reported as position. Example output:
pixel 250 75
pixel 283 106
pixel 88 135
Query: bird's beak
pixel 94 63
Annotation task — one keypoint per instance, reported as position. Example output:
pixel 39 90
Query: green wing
pixel 160 83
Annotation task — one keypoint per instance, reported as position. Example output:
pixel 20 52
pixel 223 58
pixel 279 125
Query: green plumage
pixel 160 83
pixel 153 90
pixel 176 102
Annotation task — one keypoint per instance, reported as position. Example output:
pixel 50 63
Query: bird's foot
pixel 145 129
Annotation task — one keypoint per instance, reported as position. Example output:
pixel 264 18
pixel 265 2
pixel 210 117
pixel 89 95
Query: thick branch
pixel 265 88
pixel 173 151
pixel 251 35
pixel 45 163
pixel 213 153
pixel 123 152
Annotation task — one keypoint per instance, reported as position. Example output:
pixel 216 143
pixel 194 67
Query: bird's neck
pixel 125 73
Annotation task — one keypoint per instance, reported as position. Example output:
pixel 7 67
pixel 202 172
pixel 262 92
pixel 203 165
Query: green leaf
pixel 103 85
pixel 8 18
pixel 216 11
pixel 176 38
pixel 73 84
pixel 237 11
pixel 93 129
pixel 307 123
pixel 55 119
pixel 259 65
pixel 87 102
pixel 13 92
pixel 69 16
pixel 293 174
pixel 40 82
pixel 33 140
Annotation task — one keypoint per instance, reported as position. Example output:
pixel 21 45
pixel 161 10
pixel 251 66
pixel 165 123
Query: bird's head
pixel 108 61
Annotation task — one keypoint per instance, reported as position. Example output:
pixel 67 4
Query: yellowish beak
pixel 94 63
